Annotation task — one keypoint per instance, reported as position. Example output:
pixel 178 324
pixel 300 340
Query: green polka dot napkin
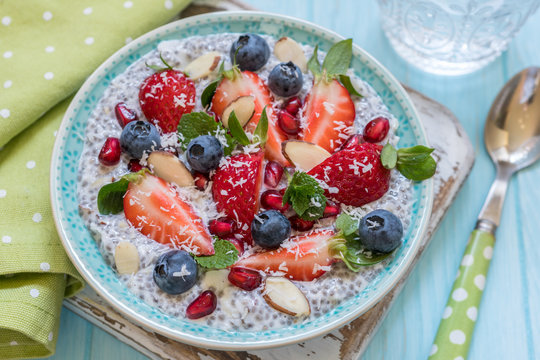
pixel 47 49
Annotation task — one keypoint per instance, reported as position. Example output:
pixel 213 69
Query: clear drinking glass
pixel 452 37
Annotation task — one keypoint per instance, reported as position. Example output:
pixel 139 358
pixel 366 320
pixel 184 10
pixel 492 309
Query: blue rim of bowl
pixel 385 285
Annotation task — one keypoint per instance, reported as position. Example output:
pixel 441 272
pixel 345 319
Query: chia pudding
pixel 237 309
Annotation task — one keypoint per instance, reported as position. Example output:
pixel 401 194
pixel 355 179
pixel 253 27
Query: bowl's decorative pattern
pixel 84 252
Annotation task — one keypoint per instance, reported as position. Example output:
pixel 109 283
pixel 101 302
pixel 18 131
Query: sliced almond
pixel 126 258
pixel 304 155
pixel 243 107
pixel 168 167
pixel 281 294
pixel 203 65
pixel 286 49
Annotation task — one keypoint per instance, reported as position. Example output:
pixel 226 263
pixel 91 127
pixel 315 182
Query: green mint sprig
pixel 196 124
pixel 306 196
pixel 415 163
pixel 225 254
pixel 110 199
pixel 260 135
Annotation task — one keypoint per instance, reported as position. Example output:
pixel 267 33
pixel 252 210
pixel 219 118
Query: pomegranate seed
pixel 124 114
pixel 273 173
pixel 331 209
pixel 246 279
pixel 273 199
pixel 221 227
pixel 376 130
pixel 352 141
pixel 134 165
pixel 288 123
pixel 203 305
pixel 200 181
pixel 110 152
pixel 293 105
pixel 300 224
pixel 237 243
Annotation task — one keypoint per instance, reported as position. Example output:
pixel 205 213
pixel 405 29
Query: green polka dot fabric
pixel 47 49
pixel 459 317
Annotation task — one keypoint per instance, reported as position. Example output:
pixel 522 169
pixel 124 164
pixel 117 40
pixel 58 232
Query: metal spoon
pixel 512 138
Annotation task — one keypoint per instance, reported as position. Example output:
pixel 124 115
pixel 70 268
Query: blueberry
pixel 138 137
pixel 270 228
pixel 285 79
pixel 175 272
pixel 380 231
pixel 204 153
pixel 253 53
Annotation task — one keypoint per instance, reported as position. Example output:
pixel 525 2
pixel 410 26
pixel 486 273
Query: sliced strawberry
pixel 328 115
pixel 235 188
pixel 355 175
pixel 304 257
pixel 165 96
pixel 154 208
pixel 244 84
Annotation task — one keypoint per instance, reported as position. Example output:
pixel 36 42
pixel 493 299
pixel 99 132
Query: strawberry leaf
pixel 160 68
pixel 110 199
pixel 346 224
pixel 261 131
pixel 313 64
pixel 208 93
pixel 196 124
pixel 416 163
pixel 236 130
pixel 346 81
pixel 338 58
pixel 224 256
pixel 389 156
pixel 306 196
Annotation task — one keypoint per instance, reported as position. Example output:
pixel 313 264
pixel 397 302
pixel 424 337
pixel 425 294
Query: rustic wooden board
pixel 347 343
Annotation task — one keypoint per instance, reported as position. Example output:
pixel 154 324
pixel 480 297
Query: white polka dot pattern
pixel 34 293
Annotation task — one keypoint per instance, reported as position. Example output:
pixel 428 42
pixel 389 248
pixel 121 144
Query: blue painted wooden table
pixel 508 324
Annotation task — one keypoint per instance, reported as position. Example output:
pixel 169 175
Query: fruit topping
pixel 110 152
pixel 289 123
pixel 203 65
pixel 200 180
pixel 354 176
pixel 293 105
pixel 175 272
pixel 250 52
pixel 124 115
pixel 299 224
pixel 245 279
pixel 204 153
pixel 165 96
pixel 376 130
pixel 273 200
pixel 235 189
pixel 304 155
pixel 286 49
pixel 221 227
pixel 134 165
pixel 380 231
pixel 352 142
pixel 285 79
pixel 203 305
pixel 332 209
pixel 243 107
pixel 196 124
pixel 281 294
pixel 126 258
pixel 270 228
pixel 168 167
pixel 272 174
pixel 239 245
pixel 139 137
pixel 154 208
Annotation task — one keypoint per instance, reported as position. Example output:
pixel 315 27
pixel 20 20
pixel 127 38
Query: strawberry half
pixel 165 96
pixel 303 258
pixel 247 83
pixel 154 208
pixel 235 188
pixel 355 176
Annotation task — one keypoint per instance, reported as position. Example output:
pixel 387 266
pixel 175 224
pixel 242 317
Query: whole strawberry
pixel 355 176
pixel 165 96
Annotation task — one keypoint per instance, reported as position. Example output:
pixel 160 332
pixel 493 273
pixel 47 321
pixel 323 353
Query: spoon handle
pixel 457 325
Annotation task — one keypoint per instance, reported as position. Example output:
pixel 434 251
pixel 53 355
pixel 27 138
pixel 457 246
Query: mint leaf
pixel 389 156
pixel 225 254
pixel 338 58
pixel 416 163
pixel 346 81
pixel 313 64
pixel 348 249
pixel 110 198
pixel 208 93
pixel 306 196
pixel 346 224
pixel 261 131
pixel 236 130
pixel 196 124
